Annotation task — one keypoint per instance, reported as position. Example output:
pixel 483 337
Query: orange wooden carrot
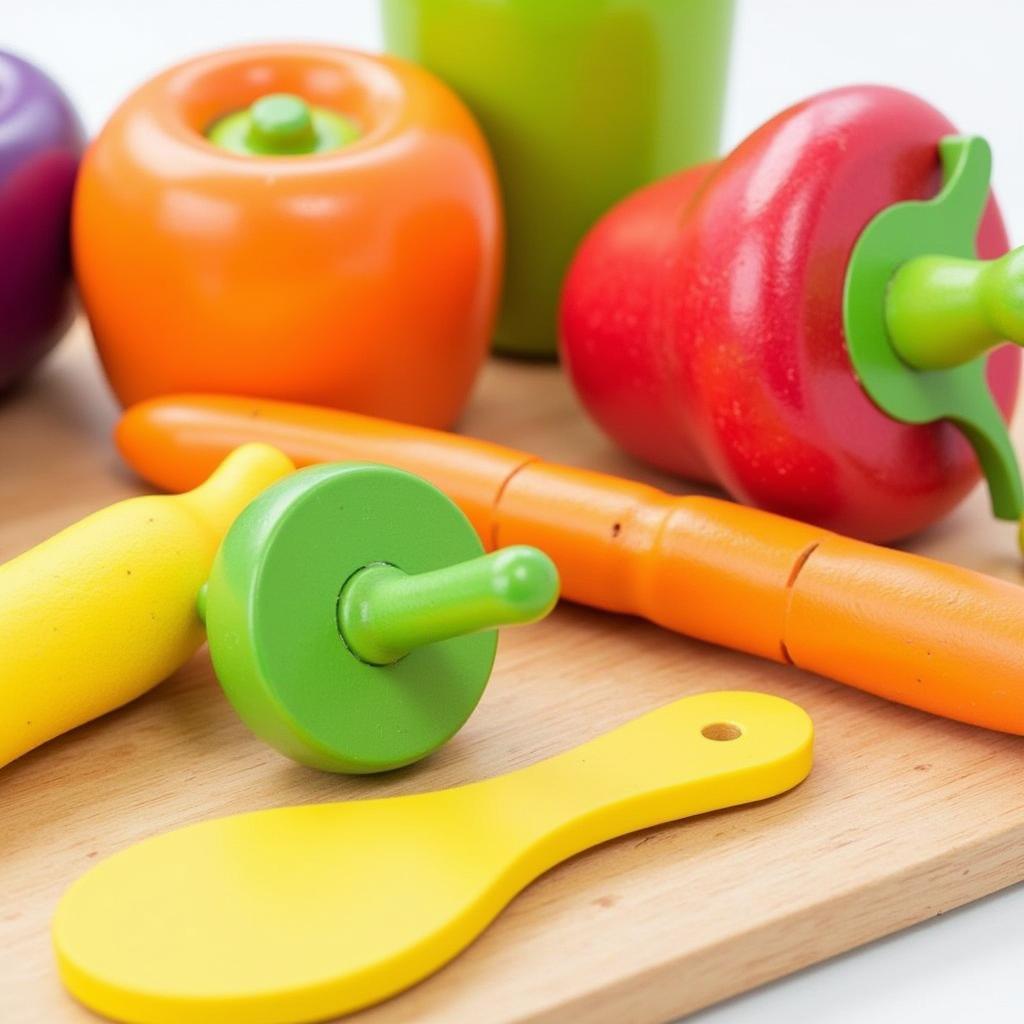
pixel 934 636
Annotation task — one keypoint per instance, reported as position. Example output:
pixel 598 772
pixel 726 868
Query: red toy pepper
pixel 703 320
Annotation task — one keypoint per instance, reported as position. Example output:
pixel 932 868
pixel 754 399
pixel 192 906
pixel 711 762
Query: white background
pixel 963 57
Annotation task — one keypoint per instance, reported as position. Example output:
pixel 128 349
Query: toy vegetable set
pixel 293 260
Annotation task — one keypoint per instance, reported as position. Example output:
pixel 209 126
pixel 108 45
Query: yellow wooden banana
pixel 104 610
pixel 304 913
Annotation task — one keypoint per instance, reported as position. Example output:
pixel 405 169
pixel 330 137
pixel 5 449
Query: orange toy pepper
pixel 934 636
pixel 299 222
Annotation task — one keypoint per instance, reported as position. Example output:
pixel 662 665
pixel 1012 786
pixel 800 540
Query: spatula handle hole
pixel 721 731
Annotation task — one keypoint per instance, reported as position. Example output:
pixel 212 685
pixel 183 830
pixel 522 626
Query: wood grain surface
pixel 903 817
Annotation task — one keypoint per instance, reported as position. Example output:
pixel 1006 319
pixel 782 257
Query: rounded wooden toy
pixel 349 610
pixel 303 913
pixel 351 615
pixel 805 322
pixel 41 141
pixel 130 573
pixel 294 221
pixel 937 637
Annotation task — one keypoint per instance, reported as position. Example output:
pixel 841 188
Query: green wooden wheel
pixel 349 614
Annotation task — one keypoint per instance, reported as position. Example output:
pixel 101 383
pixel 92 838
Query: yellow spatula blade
pixel 305 913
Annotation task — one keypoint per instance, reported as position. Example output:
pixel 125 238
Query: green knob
pixel 920 310
pixel 351 615
pixel 385 613
pixel 944 311
pixel 282 124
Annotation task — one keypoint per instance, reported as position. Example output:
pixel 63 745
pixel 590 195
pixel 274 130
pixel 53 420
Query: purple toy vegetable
pixel 40 144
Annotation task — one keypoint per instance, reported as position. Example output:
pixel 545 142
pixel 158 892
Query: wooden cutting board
pixel 903 817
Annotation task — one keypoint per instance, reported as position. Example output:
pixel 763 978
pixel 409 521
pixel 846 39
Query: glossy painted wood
pixel 904 816
pixel 386 294
pixel 743 376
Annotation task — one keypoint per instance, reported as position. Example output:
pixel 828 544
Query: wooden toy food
pixel 298 222
pixel 805 322
pixel 934 636
pixel 303 913
pixel 351 615
pixel 349 610
pixel 582 102
pixel 40 145
pixel 103 611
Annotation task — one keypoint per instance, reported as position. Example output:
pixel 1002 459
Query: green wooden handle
pixel 384 613
pixel 944 311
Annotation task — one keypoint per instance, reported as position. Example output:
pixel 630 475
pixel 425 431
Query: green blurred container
pixel 583 101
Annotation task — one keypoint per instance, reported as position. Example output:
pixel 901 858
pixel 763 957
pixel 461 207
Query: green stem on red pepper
pixel 943 311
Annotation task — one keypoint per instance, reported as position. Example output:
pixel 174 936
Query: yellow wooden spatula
pixel 305 913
